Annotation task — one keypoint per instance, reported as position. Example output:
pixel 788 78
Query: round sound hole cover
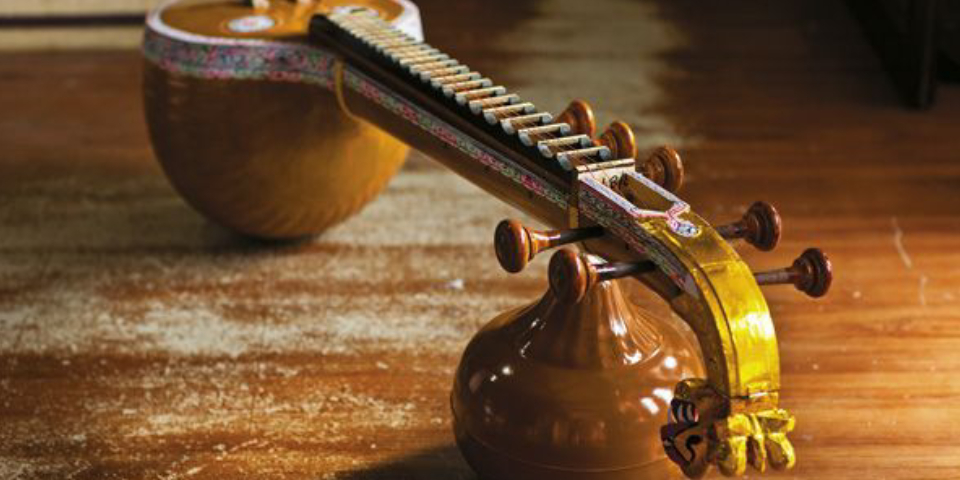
pixel 251 23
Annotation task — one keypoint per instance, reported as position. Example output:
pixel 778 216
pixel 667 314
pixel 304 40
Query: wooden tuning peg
pixel 759 226
pixel 811 273
pixel 572 275
pixel 516 245
pixel 664 167
pixel 580 117
pixel 619 138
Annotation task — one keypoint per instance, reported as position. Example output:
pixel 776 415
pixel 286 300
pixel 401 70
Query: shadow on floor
pixel 439 463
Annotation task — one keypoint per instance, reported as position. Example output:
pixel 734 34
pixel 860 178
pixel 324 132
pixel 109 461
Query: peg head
pixel 664 167
pixel 580 117
pixel 619 138
pixel 814 272
pixel 762 226
pixel 569 275
pixel 511 241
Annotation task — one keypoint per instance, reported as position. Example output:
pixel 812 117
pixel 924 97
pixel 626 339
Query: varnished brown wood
pixel 579 115
pixel 601 356
pixel 664 167
pixel 516 245
pixel 619 138
pixel 139 341
pixel 811 273
pixel 266 181
pixel 598 355
pixel 760 226
pixel 572 275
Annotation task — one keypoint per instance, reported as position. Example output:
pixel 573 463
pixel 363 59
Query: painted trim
pixel 628 222
pixel 276 61
pixel 399 106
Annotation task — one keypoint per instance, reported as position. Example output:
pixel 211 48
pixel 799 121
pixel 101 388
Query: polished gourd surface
pixel 263 154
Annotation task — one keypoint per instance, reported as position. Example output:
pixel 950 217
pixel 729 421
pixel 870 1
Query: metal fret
pixel 569 159
pixel 476 106
pixel 529 136
pixel 423 59
pixel 399 52
pixel 453 88
pixel 479 95
pixel 493 115
pixel 439 82
pixel 509 125
pixel 430 66
pixel 425 76
pixel 464 97
pixel 547 147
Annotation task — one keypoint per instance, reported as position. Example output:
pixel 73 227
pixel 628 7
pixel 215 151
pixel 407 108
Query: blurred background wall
pixel 69 24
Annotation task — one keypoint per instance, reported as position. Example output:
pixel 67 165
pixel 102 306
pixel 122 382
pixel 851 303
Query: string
pixel 370 28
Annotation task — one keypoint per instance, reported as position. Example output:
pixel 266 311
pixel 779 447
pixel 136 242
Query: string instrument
pixel 280 118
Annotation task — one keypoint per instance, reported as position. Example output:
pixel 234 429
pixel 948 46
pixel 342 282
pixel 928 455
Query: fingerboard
pixel 456 90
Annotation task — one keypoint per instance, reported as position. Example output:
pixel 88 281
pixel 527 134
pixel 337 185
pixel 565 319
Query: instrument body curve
pixel 246 124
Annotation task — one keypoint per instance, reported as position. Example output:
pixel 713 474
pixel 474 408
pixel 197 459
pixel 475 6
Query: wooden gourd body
pixel 272 155
pixel 556 390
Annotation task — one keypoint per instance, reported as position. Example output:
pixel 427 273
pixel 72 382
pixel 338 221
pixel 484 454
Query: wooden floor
pixel 139 341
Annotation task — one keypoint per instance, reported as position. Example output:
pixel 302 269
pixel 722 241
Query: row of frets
pixel 569 144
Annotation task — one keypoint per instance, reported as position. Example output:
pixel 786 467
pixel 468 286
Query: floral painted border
pixel 604 206
pixel 449 135
pixel 282 62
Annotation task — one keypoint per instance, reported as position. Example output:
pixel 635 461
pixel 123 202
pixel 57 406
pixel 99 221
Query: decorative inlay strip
pixel 283 62
pixel 604 206
pixel 453 137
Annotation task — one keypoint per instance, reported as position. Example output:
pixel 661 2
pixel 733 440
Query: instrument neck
pixel 457 116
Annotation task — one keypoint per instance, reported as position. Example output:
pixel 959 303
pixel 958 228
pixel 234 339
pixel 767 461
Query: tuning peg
pixel 580 117
pixel 516 245
pixel 664 167
pixel 759 226
pixel 619 138
pixel 811 273
pixel 572 275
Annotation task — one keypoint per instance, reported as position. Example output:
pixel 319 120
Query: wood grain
pixel 71 24
pixel 74 7
pixel 106 37
pixel 139 341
